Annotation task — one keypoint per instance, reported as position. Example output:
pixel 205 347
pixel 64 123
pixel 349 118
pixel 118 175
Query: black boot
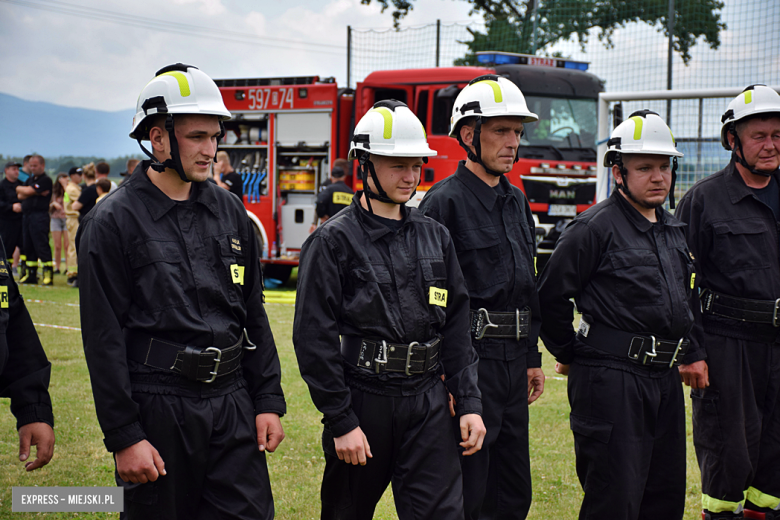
pixel 48 275
pixel 31 276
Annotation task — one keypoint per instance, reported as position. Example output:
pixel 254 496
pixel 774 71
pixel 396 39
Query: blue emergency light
pixel 512 58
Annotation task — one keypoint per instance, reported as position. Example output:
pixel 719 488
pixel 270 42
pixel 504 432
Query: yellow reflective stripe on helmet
pixel 425 135
pixel 713 505
pixel 637 127
pixel 748 97
pixel 497 96
pixel 181 79
pixel 762 499
pixel 388 117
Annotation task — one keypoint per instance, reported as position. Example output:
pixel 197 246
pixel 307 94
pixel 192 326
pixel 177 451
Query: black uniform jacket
pixel 24 369
pixel 333 198
pixel 8 199
pixel 40 202
pixel 494 238
pixel 358 277
pixel 623 271
pixel 150 266
pixel 734 239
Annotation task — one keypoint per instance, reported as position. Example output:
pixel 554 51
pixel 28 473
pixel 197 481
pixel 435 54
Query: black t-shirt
pixel 770 196
pixel 393 224
pixel 88 199
pixel 42 185
pixel 233 180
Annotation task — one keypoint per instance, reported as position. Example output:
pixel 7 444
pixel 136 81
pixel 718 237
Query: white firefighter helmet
pixel 177 89
pixel 644 132
pixel 490 96
pixel 391 129
pixel 754 100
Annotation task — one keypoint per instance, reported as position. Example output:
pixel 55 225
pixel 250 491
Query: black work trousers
pixel 36 238
pixel 412 447
pixel 11 234
pixel 736 425
pixel 497 479
pixel 629 440
pixel 214 468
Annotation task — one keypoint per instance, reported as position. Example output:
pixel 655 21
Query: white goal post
pixel 604 177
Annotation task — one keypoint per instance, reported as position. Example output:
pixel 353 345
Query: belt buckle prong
pixel 409 357
pixel 774 314
pixel 484 315
pixel 676 351
pixel 217 360
pixel 517 323
pixel 651 354
pixel 382 359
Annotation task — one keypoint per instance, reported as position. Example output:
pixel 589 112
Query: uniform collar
pixel 735 184
pixel 484 193
pixel 377 230
pixel 638 220
pixel 158 203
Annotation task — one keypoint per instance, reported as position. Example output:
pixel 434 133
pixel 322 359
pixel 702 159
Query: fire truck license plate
pixel 562 210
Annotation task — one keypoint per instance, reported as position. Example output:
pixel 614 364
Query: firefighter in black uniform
pixel 184 369
pixel 493 231
pixel 10 210
pixel 626 264
pixel 732 219
pixel 386 279
pixel 24 373
pixel 334 197
pixel 35 196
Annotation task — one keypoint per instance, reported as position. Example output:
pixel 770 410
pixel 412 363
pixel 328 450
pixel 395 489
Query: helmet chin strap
pixel 367 168
pixel 624 173
pixel 477 142
pixel 741 157
pixel 174 162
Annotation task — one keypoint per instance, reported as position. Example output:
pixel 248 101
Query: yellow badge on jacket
pixel 693 280
pixel 438 297
pixel 340 197
pixel 237 272
pixel 3 297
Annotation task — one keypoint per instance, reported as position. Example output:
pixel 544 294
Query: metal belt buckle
pixel 676 351
pixel 382 359
pixel 409 357
pixel 651 354
pixel 217 360
pixel 517 324
pixel 484 317
pixel 774 314
pixel 251 345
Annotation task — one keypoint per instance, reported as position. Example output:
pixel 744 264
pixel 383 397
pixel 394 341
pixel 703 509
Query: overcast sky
pixel 86 62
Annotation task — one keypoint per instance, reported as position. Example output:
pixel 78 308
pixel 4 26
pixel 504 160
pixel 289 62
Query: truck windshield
pixel 563 123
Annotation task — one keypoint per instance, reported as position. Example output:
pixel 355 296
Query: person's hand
pixel 562 369
pixel 696 375
pixel 269 431
pixel 17 207
pixel 450 399
pixel 472 431
pixel 312 228
pixel 535 384
pixel 40 435
pixel 139 463
pixel 353 447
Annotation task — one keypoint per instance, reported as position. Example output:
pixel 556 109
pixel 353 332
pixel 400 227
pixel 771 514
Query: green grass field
pixel 80 458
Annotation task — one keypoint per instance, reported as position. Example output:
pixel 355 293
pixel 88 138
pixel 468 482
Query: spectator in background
pixel 72 194
pixel 103 188
pixel 35 196
pixel 24 173
pixel 10 210
pixel 131 164
pixel 103 169
pixel 57 225
pixel 334 197
pixel 226 177
pixel 88 196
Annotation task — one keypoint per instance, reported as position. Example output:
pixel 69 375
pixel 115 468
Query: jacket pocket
pixel 231 265
pixel 636 277
pixel 740 245
pixel 157 274
pixel 434 273
pixel 479 255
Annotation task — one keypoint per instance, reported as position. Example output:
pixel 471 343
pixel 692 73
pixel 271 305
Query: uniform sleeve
pixel 533 357
pixel 261 367
pixel 321 207
pixel 459 358
pixel 25 377
pixel 316 334
pixel 6 202
pixel 568 271
pixel 699 244
pixel 105 288
pixel 43 186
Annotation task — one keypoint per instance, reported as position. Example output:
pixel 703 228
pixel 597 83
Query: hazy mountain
pixel 54 130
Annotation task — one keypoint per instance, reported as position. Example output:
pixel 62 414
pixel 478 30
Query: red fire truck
pixel 286 132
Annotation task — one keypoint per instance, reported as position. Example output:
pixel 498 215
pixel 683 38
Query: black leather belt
pixel 489 324
pixel 204 364
pixel 643 349
pixel 381 356
pixel 742 309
